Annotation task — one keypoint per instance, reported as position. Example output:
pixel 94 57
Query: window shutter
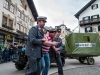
pixel 92 6
pixel 88 17
pixel 97 16
pixel 91 17
pixel 85 29
pixel 83 18
pixel 90 29
pixel 97 5
pixel 98 28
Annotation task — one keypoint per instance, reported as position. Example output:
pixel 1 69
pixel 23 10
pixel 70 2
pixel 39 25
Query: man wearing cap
pixel 55 51
pixel 34 46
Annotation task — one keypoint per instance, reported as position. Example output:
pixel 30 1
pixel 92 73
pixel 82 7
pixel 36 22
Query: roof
pixel 85 7
pixel 33 9
pixel 62 25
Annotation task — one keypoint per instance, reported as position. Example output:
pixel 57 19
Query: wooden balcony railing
pixel 85 22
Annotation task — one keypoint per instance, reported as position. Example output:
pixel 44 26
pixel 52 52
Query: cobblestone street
pixel 89 70
pixel 72 67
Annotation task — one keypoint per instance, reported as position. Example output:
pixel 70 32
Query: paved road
pixel 9 68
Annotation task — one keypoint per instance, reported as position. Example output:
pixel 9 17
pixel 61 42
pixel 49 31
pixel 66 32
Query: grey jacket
pixel 34 42
pixel 60 46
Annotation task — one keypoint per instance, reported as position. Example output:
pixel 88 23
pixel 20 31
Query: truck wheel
pixel 82 59
pixel 90 61
pixel 19 67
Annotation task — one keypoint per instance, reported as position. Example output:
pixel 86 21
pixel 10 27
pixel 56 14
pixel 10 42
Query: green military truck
pixel 82 46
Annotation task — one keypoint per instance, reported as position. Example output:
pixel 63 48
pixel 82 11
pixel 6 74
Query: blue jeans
pixel 11 57
pixel 45 63
pixel 59 63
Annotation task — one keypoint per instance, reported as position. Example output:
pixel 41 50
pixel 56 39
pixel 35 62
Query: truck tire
pixel 82 59
pixel 19 67
pixel 90 61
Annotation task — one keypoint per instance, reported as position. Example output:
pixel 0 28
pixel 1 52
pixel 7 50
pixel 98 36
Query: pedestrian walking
pixel 34 46
pixel 0 55
pixel 55 52
pixel 11 53
pixel 6 54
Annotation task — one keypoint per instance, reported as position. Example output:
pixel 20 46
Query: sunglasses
pixel 52 32
pixel 59 32
pixel 44 21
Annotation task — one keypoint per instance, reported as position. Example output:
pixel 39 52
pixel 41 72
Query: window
pixel 22 28
pixel 25 7
pixel 25 30
pixel 94 29
pixel 21 2
pixel 1 42
pixel 1 36
pixel 4 20
pixel 10 23
pixel 86 18
pixel 95 16
pixel 88 29
pixel 6 4
pixel 18 26
pixel 12 8
pixel 98 28
pixel 86 38
pixel 95 6
pixel 19 14
pixel 23 17
pixel 29 22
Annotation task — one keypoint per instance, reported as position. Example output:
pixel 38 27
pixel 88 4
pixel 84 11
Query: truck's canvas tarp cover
pixel 82 44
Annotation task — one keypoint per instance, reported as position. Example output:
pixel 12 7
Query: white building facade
pixel 16 18
pixel 89 17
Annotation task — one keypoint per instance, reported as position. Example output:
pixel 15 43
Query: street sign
pixel 8 36
pixel 85 44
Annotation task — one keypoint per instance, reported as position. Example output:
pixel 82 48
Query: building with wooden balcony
pixel 16 18
pixel 89 17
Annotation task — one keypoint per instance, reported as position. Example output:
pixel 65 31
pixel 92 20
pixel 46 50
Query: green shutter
pixel 83 18
pixel 88 17
pixel 97 5
pixel 98 16
pixel 91 17
pixel 85 29
pixel 90 29
pixel 94 5
pixel 98 28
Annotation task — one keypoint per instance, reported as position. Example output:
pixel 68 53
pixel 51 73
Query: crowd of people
pixel 10 52
pixel 39 48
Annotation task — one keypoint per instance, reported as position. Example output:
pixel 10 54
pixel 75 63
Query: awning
pixel 23 36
